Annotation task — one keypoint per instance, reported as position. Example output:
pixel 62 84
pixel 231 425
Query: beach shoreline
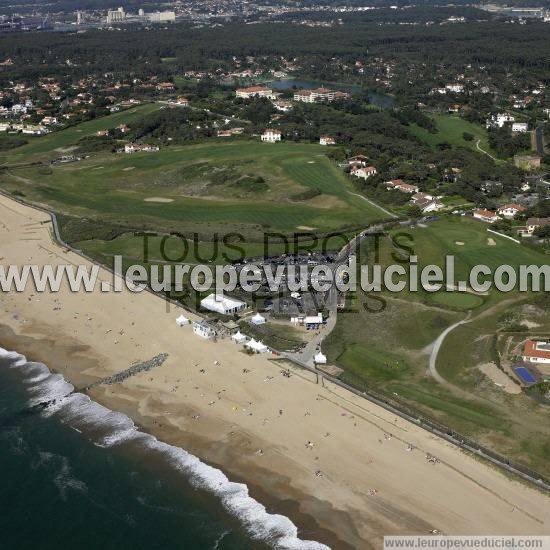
pixel 345 470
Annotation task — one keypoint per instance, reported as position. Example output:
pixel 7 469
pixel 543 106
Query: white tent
pixel 222 304
pixel 238 337
pixel 258 347
pixel 182 320
pixel 258 319
pixel 320 358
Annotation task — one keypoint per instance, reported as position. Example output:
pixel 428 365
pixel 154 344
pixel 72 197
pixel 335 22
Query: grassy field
pixel 450 129
pixel 389 349
pixel 52 145
pixel 179 188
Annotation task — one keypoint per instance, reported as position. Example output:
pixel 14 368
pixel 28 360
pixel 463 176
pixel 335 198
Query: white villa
pixel 255 91
pixel 271 136
pixel 536 351
pixel 510 211
pixel 520 127
pixel 327 140
pixel 499 120
pixel 485 215
pixel 363 172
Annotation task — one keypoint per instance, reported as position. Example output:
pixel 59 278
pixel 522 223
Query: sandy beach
pixel 344 470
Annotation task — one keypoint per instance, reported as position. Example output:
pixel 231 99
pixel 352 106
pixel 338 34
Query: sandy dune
pixel 256 425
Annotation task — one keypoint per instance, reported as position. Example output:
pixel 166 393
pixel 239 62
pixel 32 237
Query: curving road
pixel 437 346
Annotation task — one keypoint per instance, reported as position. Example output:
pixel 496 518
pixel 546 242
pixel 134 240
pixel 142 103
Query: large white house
pixel 536 351
pixel 319 94
pixel 485 215
pixel 364 172
pixel 271 136
pixel 499 120
pixel 327 140
pixel 520 127
pixel 255 91
pixel 510 211
pixel 219 303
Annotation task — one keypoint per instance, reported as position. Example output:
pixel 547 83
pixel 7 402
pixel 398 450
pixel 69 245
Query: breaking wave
pixel 107 429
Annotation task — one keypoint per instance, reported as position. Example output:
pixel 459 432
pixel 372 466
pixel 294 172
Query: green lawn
pixel 389 350
pixel 47 147
pixel 450 129
pixel 116 187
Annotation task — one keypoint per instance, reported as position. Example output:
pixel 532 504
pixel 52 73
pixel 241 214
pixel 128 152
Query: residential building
pixel 363 172
pixel 426 202
pixel 327 140
pixel 282 105
pixel 499 120
pixel 271 136
pixel 255 91
pixel 520 127
pixel 165 87
pixel 485 215
pixel 536 351
pixel 183 101
pixel 527 162
pixel 400 185
pixel 139 147
pixel 319 94
pixel 510 211
pixel 358 160
pixel 534 223
pixel 455 88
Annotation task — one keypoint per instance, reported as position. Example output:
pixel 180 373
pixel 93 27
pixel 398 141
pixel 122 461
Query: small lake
pixel 380 100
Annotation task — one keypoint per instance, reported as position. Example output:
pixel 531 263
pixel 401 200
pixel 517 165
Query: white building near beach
pixel 204 330
pixel 219 303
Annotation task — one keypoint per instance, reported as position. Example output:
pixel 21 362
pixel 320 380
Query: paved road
pixel 483 151
pixel 306 354
pixel 437 346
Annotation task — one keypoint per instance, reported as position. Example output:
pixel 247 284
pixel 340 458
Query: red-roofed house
pixel 364 172
pixel 536 351
pixel 485 215
pixel 255 91
pixel 400 185
pixel 327 140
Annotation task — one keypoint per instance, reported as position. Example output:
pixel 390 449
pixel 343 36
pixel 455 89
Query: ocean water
pixel 74 474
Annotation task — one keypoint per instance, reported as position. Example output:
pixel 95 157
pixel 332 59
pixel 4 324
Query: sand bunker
pixel 459 243
pixel 158 199
pixel 491 242
pixel 128 169
pixel 305 228
pixel 499 378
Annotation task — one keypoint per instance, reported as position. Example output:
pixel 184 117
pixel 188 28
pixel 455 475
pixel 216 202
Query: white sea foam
pixel 78 409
